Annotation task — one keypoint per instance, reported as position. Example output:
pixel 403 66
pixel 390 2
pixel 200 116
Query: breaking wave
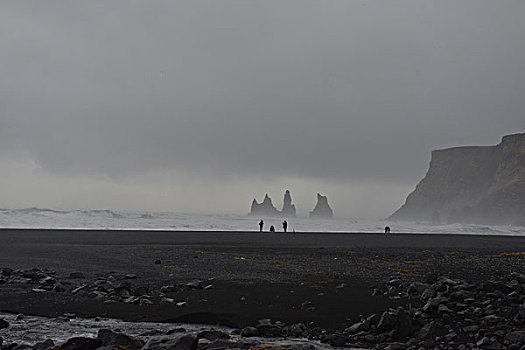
pixel 44 218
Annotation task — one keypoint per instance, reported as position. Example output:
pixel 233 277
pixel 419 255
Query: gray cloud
pixel 335 91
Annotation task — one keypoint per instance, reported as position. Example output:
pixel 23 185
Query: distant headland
pixel 471 184
pixel 266 208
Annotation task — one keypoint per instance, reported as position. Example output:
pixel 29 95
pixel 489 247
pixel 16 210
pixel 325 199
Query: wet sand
pixel 314 278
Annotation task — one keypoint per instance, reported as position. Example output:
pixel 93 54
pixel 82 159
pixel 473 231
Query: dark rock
pixel 5 271
pixel 141 290
pixel 322 208
pixel 250 332
pixel 3 324
pixel 221 344
pixel 59 288
pixel 403 323
pixel 130 276
pixel 387 322
pixel 76 275
pixel 47 281
pixel 516 337
pixel 396 346
pixel 212 335
pixel 81 343
pixel 158 262
pixel 297 330
pixel 195 284
pixel 336 339
pixel 168 289
pixel 78 289
pixel 47 344
pixel 111 338
pixel 181 342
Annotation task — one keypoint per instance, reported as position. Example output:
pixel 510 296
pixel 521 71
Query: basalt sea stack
pixel 322 209
pixel 473 184
pixel 266 207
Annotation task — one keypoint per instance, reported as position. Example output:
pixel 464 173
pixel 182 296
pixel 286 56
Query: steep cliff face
pixel 322 209
pixel 480 184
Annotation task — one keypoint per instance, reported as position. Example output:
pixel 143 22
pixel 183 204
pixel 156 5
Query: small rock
pixel 168 289
pixel 471 329
pixel 130 276
pixel 483 341
pixel 59 288
pixel 158 262
pixel 76 275
pixel 181 303
pixel 209 286
pixel 450 336
pixel 166 300
pixel 250 332
pixel 182 342
pixel 195 284
pixel 78 289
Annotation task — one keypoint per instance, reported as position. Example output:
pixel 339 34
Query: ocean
pixel 42 218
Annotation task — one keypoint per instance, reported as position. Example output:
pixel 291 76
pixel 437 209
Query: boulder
pixel 110 338
pixel 81 343
pixel 181 342
pixel 3 324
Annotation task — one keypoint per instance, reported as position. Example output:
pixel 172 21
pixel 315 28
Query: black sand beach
pixel 328 281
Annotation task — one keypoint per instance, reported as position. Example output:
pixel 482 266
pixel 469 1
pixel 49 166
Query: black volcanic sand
pixel 324 280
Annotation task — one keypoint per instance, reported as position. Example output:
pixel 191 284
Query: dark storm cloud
pixel 340 90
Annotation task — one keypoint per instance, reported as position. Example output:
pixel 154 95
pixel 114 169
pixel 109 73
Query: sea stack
pixel 265 208
pixel 322 209
pixel 471 184
pixel 288 207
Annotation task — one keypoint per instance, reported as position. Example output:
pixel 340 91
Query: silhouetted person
pixel 285 226
pixel 387 229
pixel 261 224
pixel 272 229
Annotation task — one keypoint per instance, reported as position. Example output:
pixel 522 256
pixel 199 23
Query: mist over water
pixel 129 220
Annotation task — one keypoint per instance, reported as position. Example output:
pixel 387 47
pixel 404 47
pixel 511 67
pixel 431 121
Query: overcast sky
pixel 199 106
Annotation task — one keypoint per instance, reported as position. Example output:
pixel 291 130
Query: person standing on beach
pixel 285 226
pixel 272 229
pixel 261 224
pixel 387 229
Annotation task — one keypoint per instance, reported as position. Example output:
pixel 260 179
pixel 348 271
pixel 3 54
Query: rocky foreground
pixel 439 312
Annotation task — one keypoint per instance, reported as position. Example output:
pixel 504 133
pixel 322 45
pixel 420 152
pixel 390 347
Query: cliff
pixel 322 209
pixel 474 184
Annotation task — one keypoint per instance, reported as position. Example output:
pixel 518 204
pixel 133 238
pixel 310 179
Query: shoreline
pixel 147 230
